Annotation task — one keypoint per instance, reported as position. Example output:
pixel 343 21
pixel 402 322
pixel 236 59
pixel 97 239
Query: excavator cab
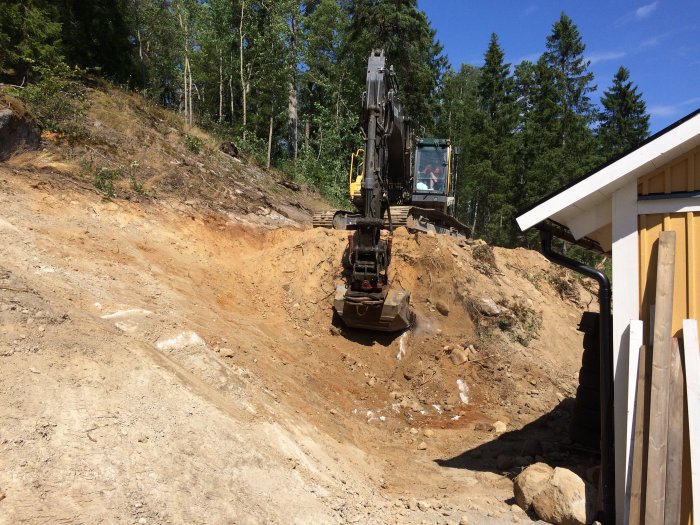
pixel 433 186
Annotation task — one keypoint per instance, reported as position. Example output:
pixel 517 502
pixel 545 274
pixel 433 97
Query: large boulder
pixel 16 132
pixel 530 482
pixel 556 495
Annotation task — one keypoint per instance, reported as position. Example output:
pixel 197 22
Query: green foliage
pixel 96 36
pixel 194 144
pixel 521 322
pixel 57 101
pixel 557 142
pixel 30 39
pixel 490 168
pixel 624 122
pixel 288 75
pixel 103 180
pixel 411 46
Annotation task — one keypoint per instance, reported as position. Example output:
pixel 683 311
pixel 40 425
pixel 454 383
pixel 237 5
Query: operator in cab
pixel 425 181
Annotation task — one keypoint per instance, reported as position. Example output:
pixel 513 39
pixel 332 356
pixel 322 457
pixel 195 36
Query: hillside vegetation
pixel 283 80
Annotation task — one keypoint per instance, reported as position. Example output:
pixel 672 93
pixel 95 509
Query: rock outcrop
pixel 16 133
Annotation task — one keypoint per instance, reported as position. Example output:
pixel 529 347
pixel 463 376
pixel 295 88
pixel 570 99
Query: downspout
pixel 607 429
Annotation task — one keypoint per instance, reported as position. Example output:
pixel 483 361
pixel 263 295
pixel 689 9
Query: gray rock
pixel 226 352
pixel 499 427
pixel 488 306
pixel 16 133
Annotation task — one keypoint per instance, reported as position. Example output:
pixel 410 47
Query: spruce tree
pixel 30 40
pixel 458 108
pixel 490 170
pixel 411 47
pixel 558 144
pixel 624 122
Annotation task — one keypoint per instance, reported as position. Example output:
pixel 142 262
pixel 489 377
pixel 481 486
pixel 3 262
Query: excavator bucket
pixel 388 313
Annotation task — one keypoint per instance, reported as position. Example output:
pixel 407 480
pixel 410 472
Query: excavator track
pixel 415 219
pixel 323 219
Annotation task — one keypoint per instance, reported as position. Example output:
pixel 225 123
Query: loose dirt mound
pixel 166 362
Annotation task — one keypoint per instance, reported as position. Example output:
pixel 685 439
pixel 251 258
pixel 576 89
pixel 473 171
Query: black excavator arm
pixel 368 303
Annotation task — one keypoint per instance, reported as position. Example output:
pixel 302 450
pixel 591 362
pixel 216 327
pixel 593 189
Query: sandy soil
pixel 172 361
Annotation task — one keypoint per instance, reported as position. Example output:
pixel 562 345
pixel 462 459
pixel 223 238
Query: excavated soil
pixel 162 361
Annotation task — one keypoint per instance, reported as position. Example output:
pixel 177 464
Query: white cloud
pixel 672 110
pixel 529 10
pixel 651 42
pixel 638 14
pixel 645 10
pixel 604 56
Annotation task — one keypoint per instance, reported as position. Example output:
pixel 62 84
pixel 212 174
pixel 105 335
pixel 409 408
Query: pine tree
pixel 624 122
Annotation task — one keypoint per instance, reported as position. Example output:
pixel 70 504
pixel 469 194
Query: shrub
pixel 194 144
pixel 104 178
pixel 57 101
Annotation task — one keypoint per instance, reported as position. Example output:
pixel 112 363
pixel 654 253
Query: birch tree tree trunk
pixel 221 86
pixel 230 87
pixel 292 111
pixel 186 72
pixel 244 87
pixel 269 140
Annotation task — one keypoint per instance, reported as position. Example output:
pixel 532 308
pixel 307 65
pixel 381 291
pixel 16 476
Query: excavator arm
pixel 368 302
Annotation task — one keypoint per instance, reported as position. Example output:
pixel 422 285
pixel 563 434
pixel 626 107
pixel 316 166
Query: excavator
pixel 393 182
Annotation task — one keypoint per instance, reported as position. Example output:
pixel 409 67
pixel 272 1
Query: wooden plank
pixel 674 450
pixel 660 376
pixel 691 354
pixel 636 339
pixel 639 445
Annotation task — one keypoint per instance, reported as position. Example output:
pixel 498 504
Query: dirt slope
pixel 175 360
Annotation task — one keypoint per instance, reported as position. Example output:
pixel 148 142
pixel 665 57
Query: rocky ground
pixel 169 354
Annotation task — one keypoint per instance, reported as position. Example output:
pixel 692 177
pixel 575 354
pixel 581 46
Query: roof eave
pixel 674 141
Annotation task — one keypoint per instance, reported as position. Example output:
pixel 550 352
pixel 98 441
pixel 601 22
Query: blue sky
pixel 657 40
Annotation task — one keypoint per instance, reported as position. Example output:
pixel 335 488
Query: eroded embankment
pixel 171 365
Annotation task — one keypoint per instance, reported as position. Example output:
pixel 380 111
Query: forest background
pixel 283 79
